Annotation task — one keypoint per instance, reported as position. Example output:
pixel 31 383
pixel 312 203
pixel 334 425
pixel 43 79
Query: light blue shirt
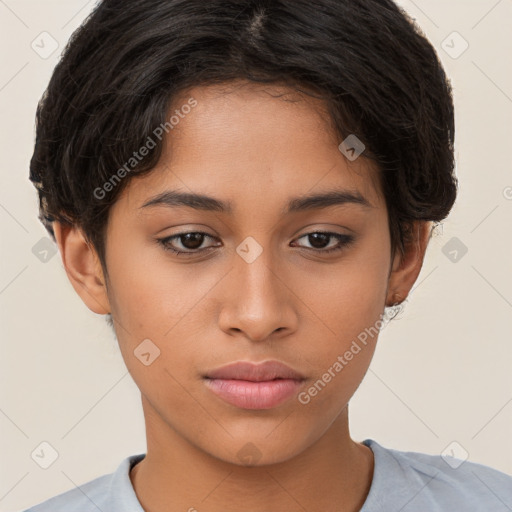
pixel 402 481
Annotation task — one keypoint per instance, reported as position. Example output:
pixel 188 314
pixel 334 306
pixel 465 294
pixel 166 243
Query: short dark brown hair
pixel 379 76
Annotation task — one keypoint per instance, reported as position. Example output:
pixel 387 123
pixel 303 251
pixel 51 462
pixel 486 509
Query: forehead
pixel 252 143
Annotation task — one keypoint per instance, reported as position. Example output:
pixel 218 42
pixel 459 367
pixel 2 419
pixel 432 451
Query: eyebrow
pixel 172 198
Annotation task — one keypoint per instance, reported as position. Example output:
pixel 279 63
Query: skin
pixel 245 145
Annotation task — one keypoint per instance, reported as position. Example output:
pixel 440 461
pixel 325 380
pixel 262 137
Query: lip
pixel 254 385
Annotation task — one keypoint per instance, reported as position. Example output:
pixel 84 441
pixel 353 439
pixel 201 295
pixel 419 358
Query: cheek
pixel 339 359
pixel 151 293
pixel 350 295
pixel 347 302
pixel 168 304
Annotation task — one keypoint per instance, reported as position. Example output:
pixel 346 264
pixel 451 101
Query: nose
pixel 257 301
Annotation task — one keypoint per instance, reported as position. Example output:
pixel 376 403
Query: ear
pixel 406 267
pixel 82 266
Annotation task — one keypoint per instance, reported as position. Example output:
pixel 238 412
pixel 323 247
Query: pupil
pixel 316 237
pixel 195 238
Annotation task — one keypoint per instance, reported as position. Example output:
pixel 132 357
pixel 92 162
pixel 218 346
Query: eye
pixel 189 243
pixel 318 240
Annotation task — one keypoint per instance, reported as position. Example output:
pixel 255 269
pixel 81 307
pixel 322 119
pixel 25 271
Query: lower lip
pixel 254 395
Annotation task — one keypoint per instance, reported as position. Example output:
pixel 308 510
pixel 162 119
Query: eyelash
pixel 344 242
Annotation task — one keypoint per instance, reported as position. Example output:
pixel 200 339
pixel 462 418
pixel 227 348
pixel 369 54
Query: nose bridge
pixel 257 277
pixel 258 282
pixel 259 302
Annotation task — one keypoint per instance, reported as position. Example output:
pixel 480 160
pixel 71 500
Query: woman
pixel 244 187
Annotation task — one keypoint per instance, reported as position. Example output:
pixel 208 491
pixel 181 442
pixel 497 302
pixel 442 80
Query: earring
pixel 396 300
pixel 396 307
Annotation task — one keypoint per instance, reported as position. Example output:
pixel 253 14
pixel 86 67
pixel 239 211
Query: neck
pixel 333 474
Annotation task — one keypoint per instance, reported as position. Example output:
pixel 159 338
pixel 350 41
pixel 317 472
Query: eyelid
pixel 177 236
pixel 344 240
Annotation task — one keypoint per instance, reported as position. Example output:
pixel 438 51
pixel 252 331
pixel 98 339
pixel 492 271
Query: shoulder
pixel 87 497
pixel 416 481
pixel 110 492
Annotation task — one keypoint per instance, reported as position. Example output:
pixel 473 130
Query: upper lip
pixel 255 372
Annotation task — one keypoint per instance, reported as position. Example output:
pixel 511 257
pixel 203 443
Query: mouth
pixel 254 386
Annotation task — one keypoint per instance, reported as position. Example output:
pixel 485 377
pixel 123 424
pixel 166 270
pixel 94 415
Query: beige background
pixel 441 373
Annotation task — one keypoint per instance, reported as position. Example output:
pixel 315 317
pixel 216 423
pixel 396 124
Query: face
pixel 265 273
